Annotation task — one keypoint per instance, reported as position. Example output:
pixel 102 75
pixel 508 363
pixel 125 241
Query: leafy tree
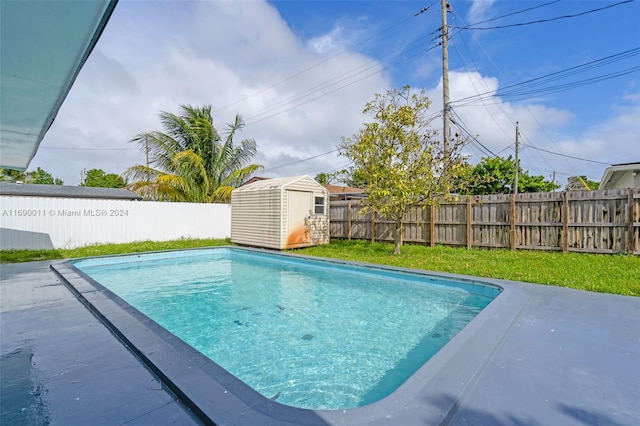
pixel 353 178
pixel 37 176
pixel 326 178
pixel 97 178
pixel 399 158
pixel 496 175
pixel 190 162
pixel 10 175
pixel 576 183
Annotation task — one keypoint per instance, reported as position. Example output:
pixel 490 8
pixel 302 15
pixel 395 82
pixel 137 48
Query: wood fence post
pixel 373 227
pixel 469 224
pixel 349 220
pixel 432 226
pixel 630 202
pixel 512 221
pixel 565 222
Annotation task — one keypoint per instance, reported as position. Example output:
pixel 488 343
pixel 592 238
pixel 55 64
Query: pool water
pixel 310 334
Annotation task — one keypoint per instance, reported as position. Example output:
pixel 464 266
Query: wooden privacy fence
pixel 605 221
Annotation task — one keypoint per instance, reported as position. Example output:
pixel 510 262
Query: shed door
pixel 299 204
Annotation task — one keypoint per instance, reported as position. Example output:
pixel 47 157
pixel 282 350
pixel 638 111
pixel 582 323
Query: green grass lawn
pixel 618 274
pixel 14 256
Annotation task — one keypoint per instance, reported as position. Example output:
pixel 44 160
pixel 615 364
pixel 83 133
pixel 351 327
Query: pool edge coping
pixel 215 395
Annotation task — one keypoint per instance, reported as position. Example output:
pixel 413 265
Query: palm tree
pixel 190 162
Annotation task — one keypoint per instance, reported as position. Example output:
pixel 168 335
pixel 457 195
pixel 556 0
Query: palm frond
pixel 189 161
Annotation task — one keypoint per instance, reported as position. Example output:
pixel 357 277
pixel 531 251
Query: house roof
pixel 338 189
pixel 275 183
pixel 64 191
pixel 43 45
pixel 614 173
pixel 345 192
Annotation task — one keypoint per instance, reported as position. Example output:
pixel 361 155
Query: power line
pixel 373 64
pixel 481 83
pixel 500 104
pixel 567 156
pixel 527 88
pixel 512 13
pixel 471 27
pixel 459 29
pixel 87 149
pixel 516 89
pixel 251 118
pixel 336 89
pixel 300 161
pixel 460 125
pixel 467 67
pixel 339 53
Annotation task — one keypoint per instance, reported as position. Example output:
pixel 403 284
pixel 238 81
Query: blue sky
pixel 300 72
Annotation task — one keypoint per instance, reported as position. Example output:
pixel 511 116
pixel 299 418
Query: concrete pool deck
pixel 569 357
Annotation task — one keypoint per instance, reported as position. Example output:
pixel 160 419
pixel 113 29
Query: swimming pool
pixel 356 333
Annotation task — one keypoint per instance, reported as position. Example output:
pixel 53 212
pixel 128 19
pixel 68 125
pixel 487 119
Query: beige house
pixel 280 213
pixel 621 176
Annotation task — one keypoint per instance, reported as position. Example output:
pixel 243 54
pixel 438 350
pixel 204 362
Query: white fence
pixel 47 223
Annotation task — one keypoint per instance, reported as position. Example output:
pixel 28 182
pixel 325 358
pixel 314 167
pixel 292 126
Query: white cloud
pixel 221 53
pixel 327 42
pixel 613 140
pixel 479 10
pixel 241 57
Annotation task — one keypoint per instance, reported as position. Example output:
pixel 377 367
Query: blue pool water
pixel 310 334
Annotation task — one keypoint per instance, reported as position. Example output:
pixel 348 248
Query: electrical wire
pixel 460 125
pixel 300 161
pixel 86 149
pixel 324 61
pixel 373 64
pixel 481 83
pixel 567 156
pixel 334 90
pixel 520 24
pixel 567 86
pixel 513 13
pixel 523 87
pixel 529 94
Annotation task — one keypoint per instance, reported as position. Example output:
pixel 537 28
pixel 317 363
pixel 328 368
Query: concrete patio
pixel 569 358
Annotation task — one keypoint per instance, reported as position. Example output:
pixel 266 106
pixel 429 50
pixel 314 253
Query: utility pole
pixel 515 183
pixel 444 6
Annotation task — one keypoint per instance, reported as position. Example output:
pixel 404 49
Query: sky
pixel 300 73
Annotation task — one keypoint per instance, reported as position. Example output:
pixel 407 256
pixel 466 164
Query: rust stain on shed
pixel 298 236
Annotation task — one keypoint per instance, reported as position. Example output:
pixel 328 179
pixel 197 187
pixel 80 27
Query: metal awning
pixel 43 46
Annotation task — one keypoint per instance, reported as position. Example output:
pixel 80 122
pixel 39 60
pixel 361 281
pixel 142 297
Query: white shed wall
pixel 45 223
pixel 255 218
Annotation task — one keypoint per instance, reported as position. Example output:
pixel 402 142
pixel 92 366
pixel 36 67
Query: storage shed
pixel 280 213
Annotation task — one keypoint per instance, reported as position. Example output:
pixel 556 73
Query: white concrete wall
pixel 45 223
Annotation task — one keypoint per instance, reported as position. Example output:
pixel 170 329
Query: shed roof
pixel 614 173
pixel 64 191
pixel 275 183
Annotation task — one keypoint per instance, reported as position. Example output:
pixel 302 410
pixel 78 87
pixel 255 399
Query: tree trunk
pixel 398 237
